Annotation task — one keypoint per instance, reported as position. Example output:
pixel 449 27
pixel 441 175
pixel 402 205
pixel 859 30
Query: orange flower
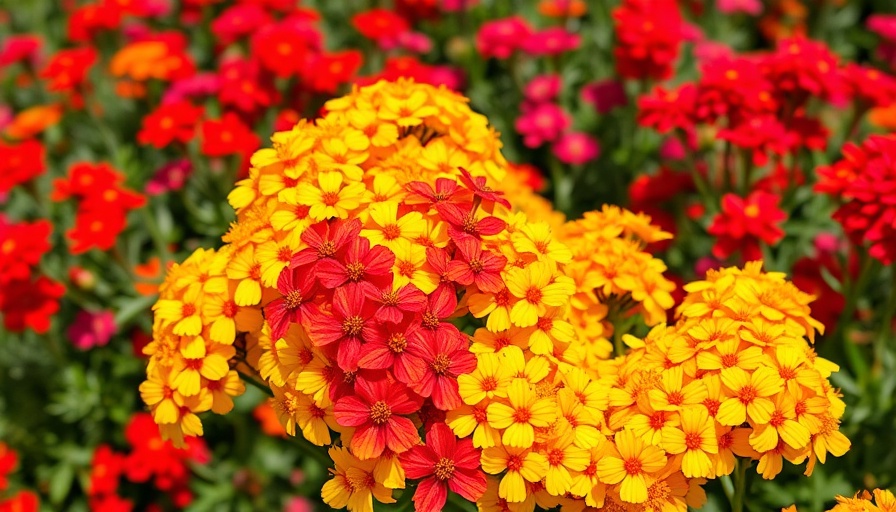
pixel 33 121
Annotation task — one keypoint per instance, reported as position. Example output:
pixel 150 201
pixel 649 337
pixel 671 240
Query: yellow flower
pixel 245 269
pixel 411 267
pixel 536 238
pixel 524 412
pixel 518 465
pixel 353 485
pixel 182 313
pixel 329 198
pixel 408 110
pixel 748 395
pixel 782 425
pixel 537 288
pixel 488 380
pixel 672 396
pixel 630 463
pixel 564 459
pixel 473 419
pixel 223 390
pixel 696 438
pixel 200 360
pixel 386 227
pixel 296 408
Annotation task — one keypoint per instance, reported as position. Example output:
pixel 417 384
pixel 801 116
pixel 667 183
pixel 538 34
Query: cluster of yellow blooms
pixel 615 277
pixel 880 500
pixel 381 287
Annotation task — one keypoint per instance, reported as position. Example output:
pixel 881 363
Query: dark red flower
pixel 85 22
pixel 22 501
pixel 376 412
pixel 477 185
pixel 26 303
pixel 666 110
pixel 152 457
pixel 245 87
pixel 20 48
pixel 296 305
pixel 444 191
pixel 325 240
pixel 762 135
pixel 462 221
pixel 443 463
pixel 9 459
pixel 394 305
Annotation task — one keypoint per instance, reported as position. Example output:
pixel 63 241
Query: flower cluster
pixel 649 36
pixel 28 299
pixel 22 500
pixel 879 500
pixel 864 182
pixel 615 278
pixel 103 204
pixel 150 460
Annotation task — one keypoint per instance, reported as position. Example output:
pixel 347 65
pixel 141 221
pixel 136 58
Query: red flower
pixel 395 304
pixel 325 240
pixel 111 503
pixel 67 69
pixel 174 121
pixel 445 190
pixel 868 86
pixel 85 22
pixel 296 306
pixel 154 458
pixel 865 183
pixel 476 266
pixel 22 501
pixel 734 88
pixel 227 136
pixel 350 323
pixel 764 135
pixel 20 163
pixel 389 346
pixel 462 222
pixel 239 21
pixel 379 24
pixel 26 303
pixel 96 229
pixel 286 48
pixel 666 110
pixel 801 68
pixel 20 48
pixel 440 304
pixel 243 86
pixel 376 413
pixel 477 185
pixel 329 71
pixel 501 38
pixel 743 223
pixel 443 463
pixel 84 180
pixel 361 265
pixel 648 37
pixel 445 354
pixel 105 470
pixel 21 248
pixel 551 41
pixel 8 461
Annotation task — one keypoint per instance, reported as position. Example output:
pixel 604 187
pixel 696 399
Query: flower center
pixel 391 232
pixel 747 394
pixel 380 412
pixel 352 325
pixel 476 266
pixel 522 416
pixel 355 271
pixel 633 466
pixel 777 419
pixel 187 310
pixel 229 309
pixel 327 249
pixel 430 320
pixel 293 299
pixel 675 398
pixel 397 343
pixel 489 383
pixel 284 254
pixel 555 457
pixel 440 364
pixel 514 463
pixel 329 198
pixel 444 469
pixel 533 295
pixel 693 441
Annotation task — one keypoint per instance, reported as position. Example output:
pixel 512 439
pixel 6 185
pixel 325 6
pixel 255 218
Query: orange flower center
pixel 522 416
pixel 284 254
pixel 352 325
pixel 555 457
pixel 229 309
pixel 489 383
pixel 514 463
pixel 380 412
pixel 187 310
pixel 476 266
pixel 397 343
pixel 391 231
pixel 533 295
pixel 326 250
pixel 632 466
pixel 693 441
pixel 329 198
pixel 444 469
pixel 355 271
pixel 293 299
pixel 440 364
pixel 746 394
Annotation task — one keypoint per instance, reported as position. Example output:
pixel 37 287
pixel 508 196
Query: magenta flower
pixel 551 41
pixel 751 7
pixel 500 38
pixel 605 95
pixel 540 123
pixel 576 148
pixel 543 88
pixel 92 329
pixel 170 177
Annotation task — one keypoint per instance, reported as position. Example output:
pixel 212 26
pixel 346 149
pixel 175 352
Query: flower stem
pixel 740 485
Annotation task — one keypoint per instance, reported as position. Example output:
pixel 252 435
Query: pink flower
pixel 576 148
pixel 196 86
pixel 672 149
pixel 414 42
pixel 540 123
pixel 543 88
pixel 707 51
pixel 751 7
pixel 92 329
pixel 170 177
pixel 883 25
pixel 20 48
pixel 605 95
pixel 298 504
pixel 457 5
pixel 500 38
pixel 551 41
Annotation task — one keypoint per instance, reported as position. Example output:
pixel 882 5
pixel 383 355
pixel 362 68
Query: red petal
pixel 400 434
pixel 469 484
pixel 418 462
pixel 431 495
pixel 349 411
pixel 442 440
pixel 491 226
pixel 369 441
pixel 331 273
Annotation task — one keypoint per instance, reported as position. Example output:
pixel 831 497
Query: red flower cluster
pixel 150 461
pixel 865 183
pixel 649 34
pixel 27 299
pixel 103 204
pixel 20 163
pixel 21 501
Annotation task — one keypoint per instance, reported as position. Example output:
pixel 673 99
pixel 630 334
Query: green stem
pixel 852 294
pixel 887 320
pixel 158 238
pixel 740 485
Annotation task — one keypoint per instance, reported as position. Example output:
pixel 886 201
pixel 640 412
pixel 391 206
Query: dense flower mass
pixel 380 283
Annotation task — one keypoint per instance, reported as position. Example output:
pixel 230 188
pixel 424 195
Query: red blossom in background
pixel 20 163
pixel 649 34
pixel 22 245
pixel 501 38
pixel 30 304
pixel 743 223
pixel 170 122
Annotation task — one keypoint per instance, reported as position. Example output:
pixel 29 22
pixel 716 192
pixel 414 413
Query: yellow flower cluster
pixel 615 277
pixel 880 500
